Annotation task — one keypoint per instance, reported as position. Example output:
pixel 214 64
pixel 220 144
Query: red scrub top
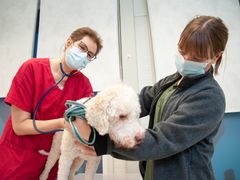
pixel 19 155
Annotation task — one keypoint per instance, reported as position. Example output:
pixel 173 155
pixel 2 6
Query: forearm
pixel 26 127
pixel 83 128
pixel 100 144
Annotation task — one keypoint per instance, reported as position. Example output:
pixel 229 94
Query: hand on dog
pixel 85 149
pixel 85 131
pixel 82 126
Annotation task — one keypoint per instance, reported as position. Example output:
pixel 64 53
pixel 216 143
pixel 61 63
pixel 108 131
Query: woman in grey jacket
pixel 185 109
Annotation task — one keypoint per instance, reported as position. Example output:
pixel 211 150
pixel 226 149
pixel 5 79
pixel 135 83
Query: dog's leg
pixel 68 153
pixel 91 167
pixel 77 163
pixel 53 156
pixel 64 167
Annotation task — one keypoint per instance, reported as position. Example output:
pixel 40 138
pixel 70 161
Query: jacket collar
pixel 187 81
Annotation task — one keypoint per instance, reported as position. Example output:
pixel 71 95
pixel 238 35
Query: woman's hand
pixel 83 128
pixel 85 149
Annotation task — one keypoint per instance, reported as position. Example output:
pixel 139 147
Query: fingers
pixel 81 125
pixel 87 150
pixel 85 131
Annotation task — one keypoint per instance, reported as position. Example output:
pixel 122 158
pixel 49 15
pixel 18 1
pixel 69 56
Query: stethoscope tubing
pixel 74 110
pixel 42 98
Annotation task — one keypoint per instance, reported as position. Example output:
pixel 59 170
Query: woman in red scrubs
pixel 20 142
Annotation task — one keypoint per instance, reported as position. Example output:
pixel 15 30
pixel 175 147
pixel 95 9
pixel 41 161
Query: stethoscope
pixel 74 110
pixel 64 74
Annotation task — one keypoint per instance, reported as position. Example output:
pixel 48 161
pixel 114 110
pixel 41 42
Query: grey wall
pixel 147 38
pixel 167 20
pixel 59 18
pixel 17 29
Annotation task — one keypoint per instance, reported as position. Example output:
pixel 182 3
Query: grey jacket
pixel 181 144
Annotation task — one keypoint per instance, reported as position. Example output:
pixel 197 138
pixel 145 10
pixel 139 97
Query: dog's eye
pixel 123 116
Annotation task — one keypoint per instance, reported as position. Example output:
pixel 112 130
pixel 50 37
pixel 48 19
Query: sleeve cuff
pixel 100 143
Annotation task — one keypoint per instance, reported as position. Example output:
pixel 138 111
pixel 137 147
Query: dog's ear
pixel 100 123
pixel 97 115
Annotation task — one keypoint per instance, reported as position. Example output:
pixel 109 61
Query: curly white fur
pixel 115 111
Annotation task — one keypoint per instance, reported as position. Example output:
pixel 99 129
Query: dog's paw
pixel 43 152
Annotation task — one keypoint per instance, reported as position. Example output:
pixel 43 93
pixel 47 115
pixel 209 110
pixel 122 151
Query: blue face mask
pixel 189 68
pixel 76 59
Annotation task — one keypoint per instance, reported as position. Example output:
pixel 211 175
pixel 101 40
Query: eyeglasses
pixel 83 47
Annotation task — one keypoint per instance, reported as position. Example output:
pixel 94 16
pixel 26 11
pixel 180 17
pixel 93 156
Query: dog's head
pixel 115 111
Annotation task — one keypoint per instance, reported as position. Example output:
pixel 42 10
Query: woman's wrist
pixel 83 128
pixel 61 123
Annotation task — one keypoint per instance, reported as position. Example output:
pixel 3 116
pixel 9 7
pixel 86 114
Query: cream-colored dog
pixel 114 111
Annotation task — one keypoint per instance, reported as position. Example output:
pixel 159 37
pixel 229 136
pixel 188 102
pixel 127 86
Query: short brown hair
pixel 203 38
pixel 79 33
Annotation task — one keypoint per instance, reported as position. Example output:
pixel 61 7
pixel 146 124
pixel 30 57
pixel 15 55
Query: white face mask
pixel 76 59
pixel 189 68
